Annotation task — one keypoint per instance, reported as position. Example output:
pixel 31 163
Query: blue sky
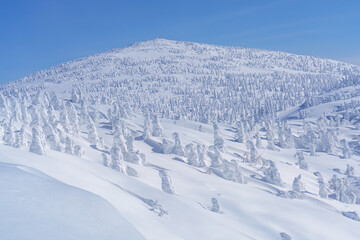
pixel 36 35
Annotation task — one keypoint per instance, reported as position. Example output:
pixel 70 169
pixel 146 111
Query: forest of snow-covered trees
pixel 266 103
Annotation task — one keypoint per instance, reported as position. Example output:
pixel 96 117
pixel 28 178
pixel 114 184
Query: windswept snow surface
pixel 177 140
pixel 36 206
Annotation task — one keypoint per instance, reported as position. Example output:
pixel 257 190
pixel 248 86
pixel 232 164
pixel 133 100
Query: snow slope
pixel 280 103
pixel 36 206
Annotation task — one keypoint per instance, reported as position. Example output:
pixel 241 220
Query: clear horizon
pixel 37 35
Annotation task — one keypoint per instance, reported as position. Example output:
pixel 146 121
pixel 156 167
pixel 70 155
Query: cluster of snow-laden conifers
pixel 244 89
pixel 41 121
pixel 199 82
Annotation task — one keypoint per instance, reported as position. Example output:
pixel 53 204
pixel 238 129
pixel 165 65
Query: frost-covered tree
pixel 215 205
pixel 156 127
pixel 178 148
pixel 117 159
pixel 119 139
pixel 341 190
pixel 231 171
pixel 69 145
pixel 72 116
pixel 147 127
pixel 281 137
pixel 166 146
pixel 64 120
pixel 201 152
pixel 25 116
pixel 312 150
pixel 289 138
pixel 271 174
pixel 166 183
pixel 9 135
pixel 15 109
pixel 219 142
pixel 349 170
pixel 54 101
pixel 51 136
pixel 258 143
pixel 301 160
pixel 191 155
pixel 345 149
pixel 270 140
pixel 253 152
pixel 36 119
pixel 75 96
pixel 78 150
pixel 132 155
pixel 296 186
pixel 21 138
pixel 216 158
pixel 92 134
pixel 106 162
pixel 239 137
pixel 322 188
pixel 84 118
pixel 4 111
pixel 326 141
pixel 36 145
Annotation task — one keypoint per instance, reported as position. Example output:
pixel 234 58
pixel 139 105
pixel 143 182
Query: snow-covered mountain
pixel 178 140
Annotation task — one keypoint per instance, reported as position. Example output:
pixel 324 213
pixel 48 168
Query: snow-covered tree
pixel 72 116
pixel 270 140
pixel 341 190
pixel 215 205
pixel 54 101
pixel 216 158
pixel 253 157
pixel 231 171
pixel 191 155
pixel 132 155
pixel 201 152
pixel 78 150
pixel 166 183
pixel 51 136
pixel 219 142
pixel 258 143
pixel 349 170
pixel 21 138
pixel 117 159
pixel 156 127
pixel 296 186
pixel 322 188
pixel 147 127
pixel 106 162
pixel 64 120
pixel 69 145
pixel 36 145
pixel 239 132
pixel 312 150
pixel 345 149
pixel 75 96
pixel 178 148
pixel 301 160
pixel 92 134
pixel 289 138
pixel 166 146
pixel 9 136
pixel 271 174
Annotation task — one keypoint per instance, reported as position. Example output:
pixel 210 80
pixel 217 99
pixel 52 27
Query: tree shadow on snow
pixel 103 151
pixel 156 146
